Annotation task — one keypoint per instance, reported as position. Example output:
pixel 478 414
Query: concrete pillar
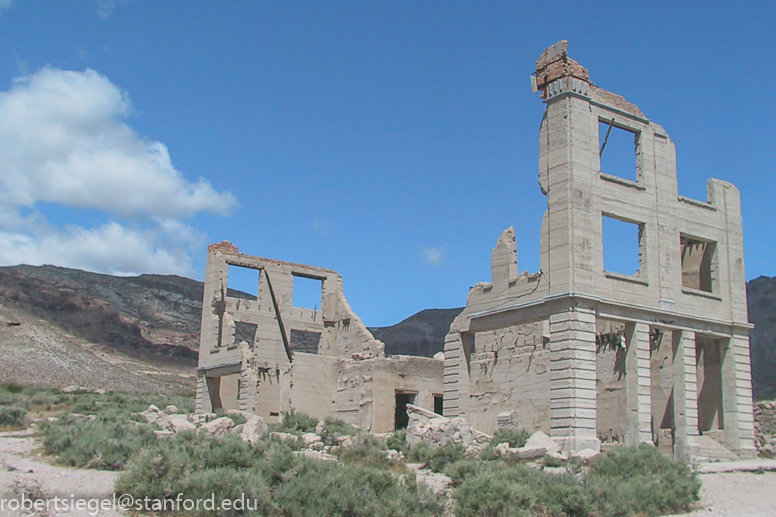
pixel 202 403
pixel 685 395
pixel 737 396
pixel 572 379
pixel 638 384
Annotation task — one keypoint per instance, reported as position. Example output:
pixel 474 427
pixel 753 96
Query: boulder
pixel 312 441
pixel 585 454
pixel 152 414
pixel 253 429
pixel 218 427
pixel 171 409
pixel 316 455
pixel 539 440
pixel 179 423
pixel 283 437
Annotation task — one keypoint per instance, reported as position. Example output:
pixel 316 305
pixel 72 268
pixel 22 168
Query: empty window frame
pixel 307 292
pixel 698 263
pixel 245 332
pixel 304 341
pixel 243 282
pixel 623 245
pixel 618 150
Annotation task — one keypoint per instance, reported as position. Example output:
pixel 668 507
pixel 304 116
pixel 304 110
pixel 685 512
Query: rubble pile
pixel 765 427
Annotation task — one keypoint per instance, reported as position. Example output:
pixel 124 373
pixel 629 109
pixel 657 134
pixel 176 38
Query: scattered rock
pixel 394 455
pixel 152 414
pixel 311 440
pixel 218 427
pixel 319 427
pixel 426 427
pixel 539 440
pixel 585 454
pixel 70 389
pixel 161 433
pixel 179 423
pixel 283 437
pixel 253 429
pixel 171 409
pixel 316 455
pixel 438 483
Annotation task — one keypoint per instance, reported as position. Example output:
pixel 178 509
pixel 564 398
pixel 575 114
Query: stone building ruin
pixel 265 355
pixel 593 357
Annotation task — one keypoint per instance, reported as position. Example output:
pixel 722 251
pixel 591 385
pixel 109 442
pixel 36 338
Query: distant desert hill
pixel 761 295
pixel 423 333
pixel 61 326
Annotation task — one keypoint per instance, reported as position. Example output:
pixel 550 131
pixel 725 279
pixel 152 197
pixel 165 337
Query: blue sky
pixel 391 142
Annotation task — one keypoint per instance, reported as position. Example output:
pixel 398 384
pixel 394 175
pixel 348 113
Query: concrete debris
pixel 428 428
pixel 316 455
pixel 394 456
pixel 217 427
pixel 284 437
pixel 585 454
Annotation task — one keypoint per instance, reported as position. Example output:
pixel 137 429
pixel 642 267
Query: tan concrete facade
pixel 594 356
pixel 265 355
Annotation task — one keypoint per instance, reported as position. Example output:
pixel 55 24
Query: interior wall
pixel 709 366
pixel 611 393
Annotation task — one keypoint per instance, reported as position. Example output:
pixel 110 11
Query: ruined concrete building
pixel 265 355
pixel 592 356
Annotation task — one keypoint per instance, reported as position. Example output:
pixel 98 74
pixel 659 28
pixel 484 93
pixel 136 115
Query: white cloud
pixel 433 255
pixel 105 8
pixel 110 248
pixel 63 141
pixel 323 227
pixel 5 5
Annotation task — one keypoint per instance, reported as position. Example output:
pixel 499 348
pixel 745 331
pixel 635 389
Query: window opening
pixel 697 263
pixel 307 292
pixel 618 148
pixel 622 242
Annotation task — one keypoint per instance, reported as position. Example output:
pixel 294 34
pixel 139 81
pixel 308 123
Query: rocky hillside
pixel 761 295
pixel 62 326
pixel 422 333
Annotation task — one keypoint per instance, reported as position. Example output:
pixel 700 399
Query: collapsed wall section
pixel 265 354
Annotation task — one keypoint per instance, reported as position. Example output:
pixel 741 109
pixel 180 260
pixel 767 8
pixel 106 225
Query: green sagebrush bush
pixel 13 416
pixel 436 458
pixel 640 479
pixel 322 489
pixel 515 437
pixel 498 490
pixel 622 482
pixel 297 423
pixel 102 442
pixel 198 466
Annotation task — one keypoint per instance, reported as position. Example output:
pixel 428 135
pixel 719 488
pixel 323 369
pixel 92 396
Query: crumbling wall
pixel 265 355
pixel 689 286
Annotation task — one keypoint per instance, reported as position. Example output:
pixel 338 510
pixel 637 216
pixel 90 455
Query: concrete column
pixel 638 385
pixel 202 403
pixel 685 395
pixel 737 395
pixel 572 379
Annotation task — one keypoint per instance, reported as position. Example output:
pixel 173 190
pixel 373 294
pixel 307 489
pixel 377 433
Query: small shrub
pixel 398 441
pixel 102 443
pixel 297 423
pixel 641 480
pixel 324 489
pixel 515 437
pixel 435 458
pixel 13 416
pixel 493 493
pixel 334 428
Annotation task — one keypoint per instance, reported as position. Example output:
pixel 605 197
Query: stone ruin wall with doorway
pixel 592 356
